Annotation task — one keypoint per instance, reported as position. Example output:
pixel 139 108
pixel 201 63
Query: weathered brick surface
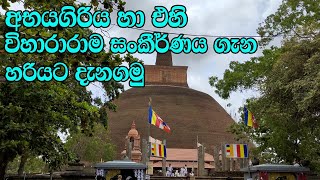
pixel 188 113
pixel 164 59
pixel 166 75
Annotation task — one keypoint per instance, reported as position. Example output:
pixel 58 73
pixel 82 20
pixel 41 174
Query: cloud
pixel 206 17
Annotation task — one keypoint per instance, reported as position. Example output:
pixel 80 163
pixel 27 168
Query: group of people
pixel 183 172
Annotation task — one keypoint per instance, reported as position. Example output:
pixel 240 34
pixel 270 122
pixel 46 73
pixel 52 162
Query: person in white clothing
pixel 176 174
pixel 170 170
pixel 182 172
pixel 185 170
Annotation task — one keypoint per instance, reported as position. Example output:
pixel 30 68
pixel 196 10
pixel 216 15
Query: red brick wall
pixel 166 75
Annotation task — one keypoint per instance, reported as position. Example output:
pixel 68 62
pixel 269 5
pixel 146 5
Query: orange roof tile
pixel 175 154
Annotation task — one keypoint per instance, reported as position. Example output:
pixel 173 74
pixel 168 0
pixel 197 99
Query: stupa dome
pixel 188 112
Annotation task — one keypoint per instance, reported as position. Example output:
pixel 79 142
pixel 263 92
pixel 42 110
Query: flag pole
pixel 149 134
pixel 248 160
pixel 197 140
pixel 164 160
pixel 198 155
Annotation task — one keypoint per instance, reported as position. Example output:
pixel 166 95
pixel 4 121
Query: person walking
pixel 181 172
pixel 170 170
pixel 185 169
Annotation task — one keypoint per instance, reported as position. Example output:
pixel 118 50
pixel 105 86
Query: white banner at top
pixel 153 140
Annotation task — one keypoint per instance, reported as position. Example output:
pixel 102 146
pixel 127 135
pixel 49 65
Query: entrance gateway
pixel 123 168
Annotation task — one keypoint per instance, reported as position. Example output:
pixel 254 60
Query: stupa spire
pixel 164 59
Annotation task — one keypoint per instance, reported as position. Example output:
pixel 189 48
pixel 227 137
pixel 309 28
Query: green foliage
pixel 250 74
pixel 31 114
pixel 298 18
pixel 288 109
pixel 92 148
pixel 33 165
pixel 288 79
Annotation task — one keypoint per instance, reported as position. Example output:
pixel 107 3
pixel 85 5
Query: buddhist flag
pixel 249 119
pixel 236 151
pixel 155 120
pixel 158 150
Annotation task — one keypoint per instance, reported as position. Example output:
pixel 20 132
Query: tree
pixel 92 148
pixel 31 114
pixel 287 78
pixel 294 18
pixel 32 165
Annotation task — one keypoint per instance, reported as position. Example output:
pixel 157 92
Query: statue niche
pixel 133 137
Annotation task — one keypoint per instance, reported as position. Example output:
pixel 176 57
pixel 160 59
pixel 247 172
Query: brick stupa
pixel 188 112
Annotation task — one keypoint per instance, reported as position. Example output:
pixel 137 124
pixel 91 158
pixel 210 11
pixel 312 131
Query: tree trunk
pixel 4 159
pixel 3 167
pixel 6 156
pixel 23 160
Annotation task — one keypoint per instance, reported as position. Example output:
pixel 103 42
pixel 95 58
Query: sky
pixel 205 17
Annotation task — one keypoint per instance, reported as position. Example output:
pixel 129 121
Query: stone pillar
pixel 224 159
pixel 236 165
pixel 241 163
pixel 144 151
pixel 216 158
pixel 201 160
pixel 231 164
pixel 164 162
pixel 227 164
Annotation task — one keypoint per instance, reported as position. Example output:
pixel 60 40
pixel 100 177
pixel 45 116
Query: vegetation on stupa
pixel 288 80
pixel 32 113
